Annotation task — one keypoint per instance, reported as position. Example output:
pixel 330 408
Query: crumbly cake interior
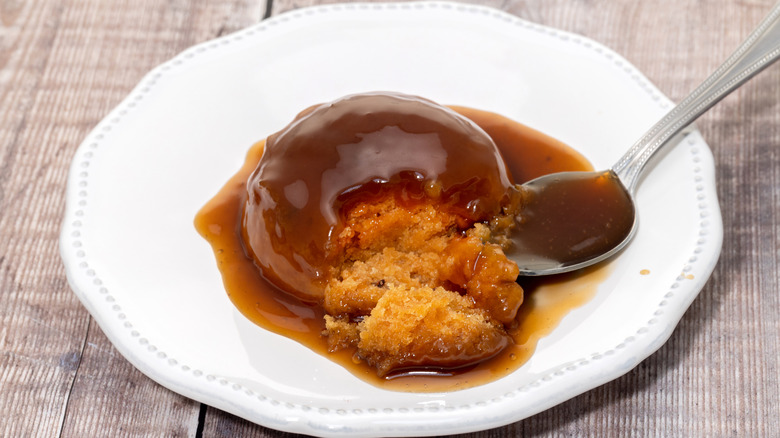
pixel 418 286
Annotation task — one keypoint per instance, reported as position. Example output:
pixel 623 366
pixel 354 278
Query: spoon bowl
pixel 571 220
pixel 574 217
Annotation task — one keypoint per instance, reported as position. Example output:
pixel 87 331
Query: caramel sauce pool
pixel 528 154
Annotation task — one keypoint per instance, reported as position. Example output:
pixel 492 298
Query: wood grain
pixel 65 64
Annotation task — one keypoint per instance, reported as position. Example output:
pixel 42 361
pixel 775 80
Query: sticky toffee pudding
pixel 373 229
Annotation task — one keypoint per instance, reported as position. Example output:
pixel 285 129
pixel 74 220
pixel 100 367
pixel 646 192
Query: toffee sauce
pixel 528 154
pixel 571 217
pixel 362 149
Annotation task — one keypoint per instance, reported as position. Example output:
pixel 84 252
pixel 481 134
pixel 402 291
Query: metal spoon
pixel 558 232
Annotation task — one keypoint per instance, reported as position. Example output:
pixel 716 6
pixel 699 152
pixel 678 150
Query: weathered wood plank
pixel 63 66
pixel 41 322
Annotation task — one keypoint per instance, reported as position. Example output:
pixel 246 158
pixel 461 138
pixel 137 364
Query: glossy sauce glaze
pixel 362 149
pixel 528 154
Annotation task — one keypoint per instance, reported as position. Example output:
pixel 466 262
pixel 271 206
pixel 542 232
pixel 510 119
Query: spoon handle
pixel 760 50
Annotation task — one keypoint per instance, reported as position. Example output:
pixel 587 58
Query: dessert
pixel 304 261
pixel 390 211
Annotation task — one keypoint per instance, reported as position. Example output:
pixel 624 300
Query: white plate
pixel 135 261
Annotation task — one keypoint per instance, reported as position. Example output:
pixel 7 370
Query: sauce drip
pixel 527 153
pixel 571 217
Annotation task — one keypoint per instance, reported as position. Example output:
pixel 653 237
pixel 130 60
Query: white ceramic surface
pixel 135 261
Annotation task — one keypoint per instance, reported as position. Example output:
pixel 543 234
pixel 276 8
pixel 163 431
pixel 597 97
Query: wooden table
pixel 65 63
